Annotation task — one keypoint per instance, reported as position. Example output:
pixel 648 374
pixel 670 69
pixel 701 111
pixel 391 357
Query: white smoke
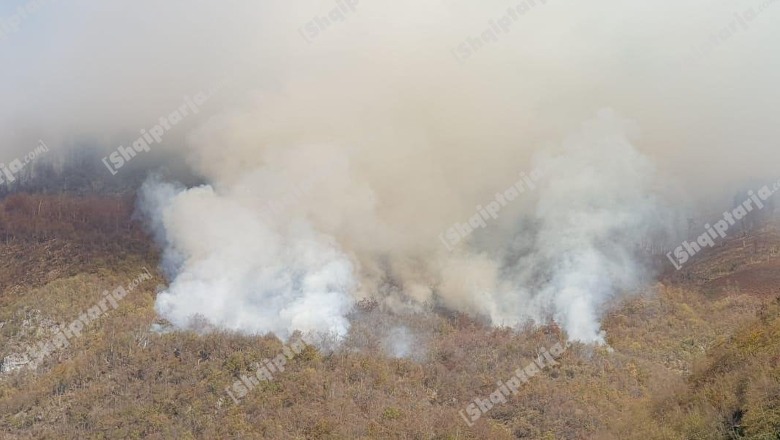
pixel 302 265
pixel 240 271
pixel 342 149
pixel 597 204
pixel 334 163
pixel 400 342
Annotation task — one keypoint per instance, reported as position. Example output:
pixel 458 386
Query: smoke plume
pixel 351 136
pixel 262 253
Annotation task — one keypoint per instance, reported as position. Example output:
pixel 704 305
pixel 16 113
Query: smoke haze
pixel 334 160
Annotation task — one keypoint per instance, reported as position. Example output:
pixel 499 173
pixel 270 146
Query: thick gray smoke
pixel 353 135
pixel 260 254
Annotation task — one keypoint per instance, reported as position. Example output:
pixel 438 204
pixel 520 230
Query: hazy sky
pixel 103 70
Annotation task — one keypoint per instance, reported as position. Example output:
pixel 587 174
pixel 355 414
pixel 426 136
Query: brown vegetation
pixel 682 363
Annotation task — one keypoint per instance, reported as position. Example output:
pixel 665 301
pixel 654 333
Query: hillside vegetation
pixel 697 356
